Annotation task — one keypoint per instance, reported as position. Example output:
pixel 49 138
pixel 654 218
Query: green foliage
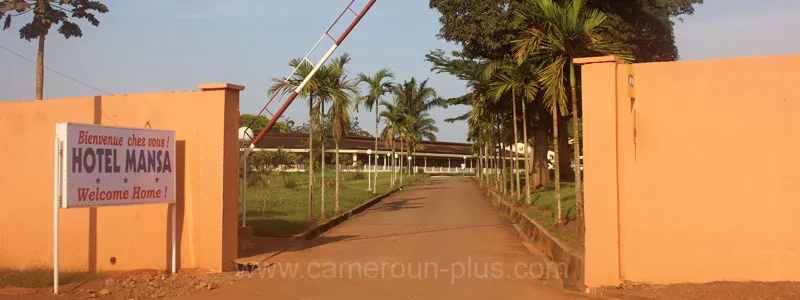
pixel 289 182
pixel 480 26
pixel 343 92
pixel 268 161
pixel 278 211
pixel 409 113
pixel 377 86
pixel 53 12
pixel 644 28
pixel 257 123
pixel 359 173
pixel 555 34
pixel 353 130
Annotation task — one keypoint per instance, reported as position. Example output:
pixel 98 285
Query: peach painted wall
pixel 709 191
pixel 205 122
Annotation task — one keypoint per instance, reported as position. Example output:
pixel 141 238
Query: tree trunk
pixel 310 167
pixel 40 57
pixel 503 165
pixel 478 162
pixel 556 164
pixel 400 170
pixel 516 142
pixel 525 151
pixel 322 187
pixel 576 148
pixel 394 161
pixel 563 146
pixel 336 201
pixel 375 182
pixel 490 160
pixel 541 169
pixel 496 153
pixel 485 173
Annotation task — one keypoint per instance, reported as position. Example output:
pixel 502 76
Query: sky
pixel 248 42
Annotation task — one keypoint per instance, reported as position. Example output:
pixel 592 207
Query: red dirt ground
pixel 437 239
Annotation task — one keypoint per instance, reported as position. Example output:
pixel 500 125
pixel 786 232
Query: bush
pixel 359 175
pixel 289 182
pixel 420 171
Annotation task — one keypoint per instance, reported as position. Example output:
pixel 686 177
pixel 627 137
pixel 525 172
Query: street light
pixel 369 170
pixel 409 166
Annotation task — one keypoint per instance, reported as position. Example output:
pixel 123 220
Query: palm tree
pixel 556 34
pixel 343 91
pixel 479 134
pixel 285 86
pixel 416 99
pixel 394 118
pixel 379 85
pixel 516 78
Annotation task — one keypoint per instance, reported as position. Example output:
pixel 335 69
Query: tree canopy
pixel 483 30
pixel 257 123
pixel 52 13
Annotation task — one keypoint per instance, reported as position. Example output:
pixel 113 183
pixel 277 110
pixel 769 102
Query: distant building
pixel 439 155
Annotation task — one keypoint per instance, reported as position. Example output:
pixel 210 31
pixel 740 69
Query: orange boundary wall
pixel 206 124
pixel 695 179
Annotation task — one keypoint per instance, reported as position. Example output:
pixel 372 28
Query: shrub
pixel 359 175
pixel 289 182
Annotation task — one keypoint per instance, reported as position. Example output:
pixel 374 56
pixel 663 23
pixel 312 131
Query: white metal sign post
pixel 112 166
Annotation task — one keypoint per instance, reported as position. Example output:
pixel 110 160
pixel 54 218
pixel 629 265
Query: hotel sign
pixel 105 166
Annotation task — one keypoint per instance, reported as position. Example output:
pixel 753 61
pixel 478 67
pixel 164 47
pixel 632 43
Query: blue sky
pixel 248 42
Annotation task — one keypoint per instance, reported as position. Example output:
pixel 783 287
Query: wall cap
pixel 597 59
pixel 220 86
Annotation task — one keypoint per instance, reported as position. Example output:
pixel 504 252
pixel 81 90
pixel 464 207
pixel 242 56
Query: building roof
pixel 299 141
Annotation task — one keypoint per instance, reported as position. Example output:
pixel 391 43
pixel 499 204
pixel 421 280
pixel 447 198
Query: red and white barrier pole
pixel 308 78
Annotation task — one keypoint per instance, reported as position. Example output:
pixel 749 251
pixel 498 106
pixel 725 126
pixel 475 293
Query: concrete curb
pixel 543 241
pixel 329 224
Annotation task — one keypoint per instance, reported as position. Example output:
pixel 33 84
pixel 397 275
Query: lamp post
pixel 245 136
pixel 397 170
pixel 409 168
pixel 369 170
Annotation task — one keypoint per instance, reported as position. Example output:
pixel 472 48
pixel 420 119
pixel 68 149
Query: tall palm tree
pixel 421 127
pixel 416 98
pixel 394 118
pixel 479 135
pixel 518 80
pixel 557 34
pixel 312 88
pixel 343 92
pixel 378 85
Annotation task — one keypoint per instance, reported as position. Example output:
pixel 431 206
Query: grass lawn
pixel 542 211
pixel 42 278
pixel 543 206
pixel 276 209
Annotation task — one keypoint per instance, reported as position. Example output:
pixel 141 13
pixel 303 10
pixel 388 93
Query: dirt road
pixel 438 239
